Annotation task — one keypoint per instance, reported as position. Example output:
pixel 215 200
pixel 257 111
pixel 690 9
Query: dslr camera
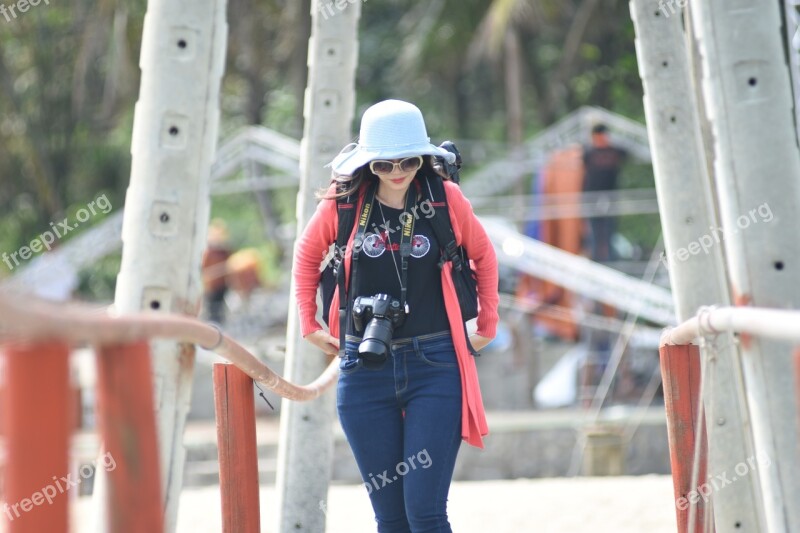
pixel 376 316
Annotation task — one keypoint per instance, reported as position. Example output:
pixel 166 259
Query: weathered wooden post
pixel 128 429
pixel 38 420
pixel 238 457
pixel 681 373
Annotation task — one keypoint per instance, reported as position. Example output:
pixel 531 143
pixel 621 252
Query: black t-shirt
pixel 602 168
pixel 380 269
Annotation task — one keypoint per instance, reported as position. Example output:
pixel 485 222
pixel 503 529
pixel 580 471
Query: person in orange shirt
pixel 215 284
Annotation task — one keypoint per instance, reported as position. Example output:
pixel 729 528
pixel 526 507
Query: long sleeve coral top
pixel 321 233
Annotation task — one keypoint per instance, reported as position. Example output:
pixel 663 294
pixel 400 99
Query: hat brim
pixel 348 162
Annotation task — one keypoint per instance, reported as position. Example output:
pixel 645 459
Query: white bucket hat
pixel 389 130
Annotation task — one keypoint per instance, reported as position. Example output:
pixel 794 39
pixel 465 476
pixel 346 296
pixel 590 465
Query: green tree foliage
pixel 69 80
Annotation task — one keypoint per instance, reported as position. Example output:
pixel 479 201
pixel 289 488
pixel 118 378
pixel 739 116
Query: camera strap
pixel 406 238
pixel 345 301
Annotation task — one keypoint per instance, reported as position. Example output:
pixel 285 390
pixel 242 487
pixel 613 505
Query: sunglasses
pixel 409 164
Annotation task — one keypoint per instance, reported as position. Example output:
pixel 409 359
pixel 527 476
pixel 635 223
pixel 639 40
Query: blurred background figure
pixel 242 273
pixel 602 163
pixel 561 177
pixel 215 259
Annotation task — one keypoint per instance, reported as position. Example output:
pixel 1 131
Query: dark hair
pixel 346 185
pixel 599 128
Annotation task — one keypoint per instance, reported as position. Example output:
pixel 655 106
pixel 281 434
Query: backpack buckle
pixel 336 260
pixel 451 251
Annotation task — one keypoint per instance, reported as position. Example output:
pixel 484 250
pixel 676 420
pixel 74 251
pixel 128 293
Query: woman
pixel 405 414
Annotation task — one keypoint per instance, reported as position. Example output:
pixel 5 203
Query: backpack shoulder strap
pixel 346 209
pixel 442 227
pixel 347 218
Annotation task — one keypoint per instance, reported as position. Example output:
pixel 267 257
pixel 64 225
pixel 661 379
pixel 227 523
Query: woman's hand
pixel 478 342
pixel 324 341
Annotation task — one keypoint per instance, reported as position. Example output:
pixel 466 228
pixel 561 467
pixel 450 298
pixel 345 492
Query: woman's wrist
pixel 479 341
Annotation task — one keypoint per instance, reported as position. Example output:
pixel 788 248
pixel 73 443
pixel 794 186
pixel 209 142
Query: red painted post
pixel 126 418
pixel 38 420
pixel 680 371
pixel 238 459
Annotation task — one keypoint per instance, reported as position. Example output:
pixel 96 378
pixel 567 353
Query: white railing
pixel 580 275
pixel 773 323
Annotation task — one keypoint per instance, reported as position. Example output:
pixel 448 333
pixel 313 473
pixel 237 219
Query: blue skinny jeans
pixel 403 423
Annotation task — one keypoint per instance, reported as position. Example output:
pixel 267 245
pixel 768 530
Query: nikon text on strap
pixel 406 239
pixel 407 235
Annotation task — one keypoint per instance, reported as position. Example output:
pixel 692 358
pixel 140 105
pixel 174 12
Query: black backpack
pixel 433 192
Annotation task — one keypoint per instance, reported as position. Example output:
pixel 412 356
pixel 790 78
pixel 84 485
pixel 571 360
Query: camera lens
pixel 373 352
pixel 374 348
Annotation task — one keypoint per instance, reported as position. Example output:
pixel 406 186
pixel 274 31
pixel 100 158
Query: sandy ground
pixel 597 505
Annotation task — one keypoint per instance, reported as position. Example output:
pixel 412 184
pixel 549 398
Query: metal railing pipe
pixel 76 323
pixel 777 324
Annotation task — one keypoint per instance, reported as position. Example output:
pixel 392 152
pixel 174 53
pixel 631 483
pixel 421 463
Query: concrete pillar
pixel 306 445
pixel 688 218
pixel 747 92
pixel 167 204
pixel 605 452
